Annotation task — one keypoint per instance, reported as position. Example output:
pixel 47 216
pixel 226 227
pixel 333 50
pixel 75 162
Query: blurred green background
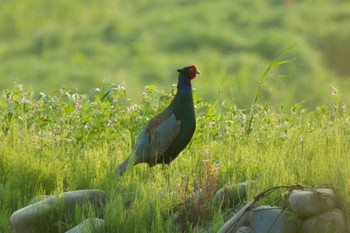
pixel 85 44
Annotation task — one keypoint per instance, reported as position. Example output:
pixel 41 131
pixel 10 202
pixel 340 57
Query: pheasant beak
pixel 198 72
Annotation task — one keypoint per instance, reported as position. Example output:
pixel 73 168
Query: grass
pixel 55 143
pixel 59 132
pixel 85 44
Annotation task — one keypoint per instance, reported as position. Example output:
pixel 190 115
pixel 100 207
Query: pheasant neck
pixel 184 83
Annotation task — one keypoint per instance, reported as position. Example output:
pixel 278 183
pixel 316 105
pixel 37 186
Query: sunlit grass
pixel 52 144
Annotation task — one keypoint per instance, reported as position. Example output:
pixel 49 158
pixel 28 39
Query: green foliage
pixel 70 141
pixel 72 138
pixel 84 44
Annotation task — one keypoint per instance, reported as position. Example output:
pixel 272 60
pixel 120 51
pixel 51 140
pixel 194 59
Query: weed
pixel 196 207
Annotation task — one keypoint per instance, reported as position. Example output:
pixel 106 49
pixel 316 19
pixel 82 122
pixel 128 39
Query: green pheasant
pixel 169 132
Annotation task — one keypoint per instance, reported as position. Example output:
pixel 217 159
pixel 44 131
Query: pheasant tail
pixel 122 167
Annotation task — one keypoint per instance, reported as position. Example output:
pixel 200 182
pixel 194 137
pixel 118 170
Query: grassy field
pixel 50 144
pixel 88 43
pixel 81 99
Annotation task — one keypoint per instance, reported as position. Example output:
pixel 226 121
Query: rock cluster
pixel 45 213
pixel 305 211
pixel 319 210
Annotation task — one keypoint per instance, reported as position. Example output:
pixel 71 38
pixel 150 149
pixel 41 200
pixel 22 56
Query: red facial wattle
pixel 193 72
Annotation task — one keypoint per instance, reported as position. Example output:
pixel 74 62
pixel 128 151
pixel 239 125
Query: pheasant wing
pixel 154 140
pixel 157 137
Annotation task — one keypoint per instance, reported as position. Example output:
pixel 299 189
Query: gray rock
pixel 267 219
pixel 245 229
pixel 229 196
pixel 332 221
pixel 312 202
pixel 238 220
pixel 39 198
pixel 42 215
pixel 91 225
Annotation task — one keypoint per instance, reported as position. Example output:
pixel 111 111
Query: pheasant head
pixel 189 71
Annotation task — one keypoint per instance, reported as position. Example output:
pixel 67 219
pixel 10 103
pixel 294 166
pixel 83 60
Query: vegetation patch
pixel 69 141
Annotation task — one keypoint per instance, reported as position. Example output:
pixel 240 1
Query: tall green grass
pixel 68 141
